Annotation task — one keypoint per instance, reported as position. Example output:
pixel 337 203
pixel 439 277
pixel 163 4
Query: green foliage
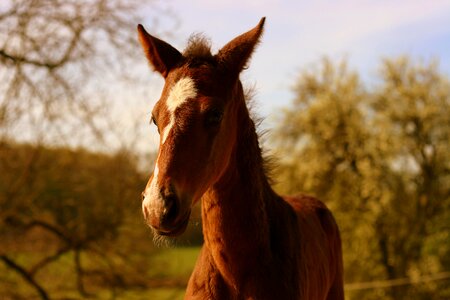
pixel 71 223
pixel 379 158
pixel 165 276
pixel 85 195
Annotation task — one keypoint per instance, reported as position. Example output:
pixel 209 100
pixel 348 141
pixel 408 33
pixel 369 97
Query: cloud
pixel 336 23
pixel 299 32
pixel 235 4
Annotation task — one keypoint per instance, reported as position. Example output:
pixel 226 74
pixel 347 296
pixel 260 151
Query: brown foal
pixel 258 245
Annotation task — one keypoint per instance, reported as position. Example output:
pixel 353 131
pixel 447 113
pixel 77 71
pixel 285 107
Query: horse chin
pixel 177 230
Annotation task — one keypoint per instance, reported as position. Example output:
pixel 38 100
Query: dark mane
pixel 269 162
pixel 198 50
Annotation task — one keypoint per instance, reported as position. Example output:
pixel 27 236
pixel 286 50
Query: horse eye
pixel 154 122
pixel 214 117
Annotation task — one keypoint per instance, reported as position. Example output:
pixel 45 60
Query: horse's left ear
pixel 162 56
pixel 234 56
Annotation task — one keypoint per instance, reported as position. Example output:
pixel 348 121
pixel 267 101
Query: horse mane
pixel 269 162
pixel 198 50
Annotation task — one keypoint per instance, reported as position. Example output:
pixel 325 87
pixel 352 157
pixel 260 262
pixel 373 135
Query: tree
pixel 74 213
pixel 362 152
pixel 60 62
pixel 412 107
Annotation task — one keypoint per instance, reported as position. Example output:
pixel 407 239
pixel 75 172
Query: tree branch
pixel 48 260
pixel 25 275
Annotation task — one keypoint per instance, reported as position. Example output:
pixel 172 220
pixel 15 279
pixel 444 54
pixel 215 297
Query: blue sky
pixel 299 33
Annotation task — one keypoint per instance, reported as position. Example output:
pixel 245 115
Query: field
pixel 167 277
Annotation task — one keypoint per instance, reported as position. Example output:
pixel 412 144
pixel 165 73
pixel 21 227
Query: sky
pixel 299 33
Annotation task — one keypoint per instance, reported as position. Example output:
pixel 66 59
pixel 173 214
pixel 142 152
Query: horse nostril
pixel 143 196
pixel 170 208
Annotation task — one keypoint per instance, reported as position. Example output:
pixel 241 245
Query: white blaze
pixel 151 193
pixel 183 90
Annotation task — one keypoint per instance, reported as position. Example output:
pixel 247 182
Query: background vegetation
pixel 379 158
pixel 70 180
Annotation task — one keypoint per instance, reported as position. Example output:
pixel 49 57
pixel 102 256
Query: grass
pixel 171 267
pixel 174 262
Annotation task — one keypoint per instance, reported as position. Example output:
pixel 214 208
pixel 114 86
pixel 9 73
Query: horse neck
pixel 234 210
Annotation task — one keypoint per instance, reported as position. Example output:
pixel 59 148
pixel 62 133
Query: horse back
pixel 321 267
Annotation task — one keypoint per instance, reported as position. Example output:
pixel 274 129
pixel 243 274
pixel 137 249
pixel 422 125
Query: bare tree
pixel 55 56
pixel 60 61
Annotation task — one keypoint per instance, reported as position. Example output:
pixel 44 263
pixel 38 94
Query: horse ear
pixel 160 54
pixel 234 56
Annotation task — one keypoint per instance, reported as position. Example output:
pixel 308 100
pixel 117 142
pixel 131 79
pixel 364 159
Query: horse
pixel 257 244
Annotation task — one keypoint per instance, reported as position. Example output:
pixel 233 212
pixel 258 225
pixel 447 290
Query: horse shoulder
pixel 205 281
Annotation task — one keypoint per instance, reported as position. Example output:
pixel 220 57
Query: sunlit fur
pixel 258 245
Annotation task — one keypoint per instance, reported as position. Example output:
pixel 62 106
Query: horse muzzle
pixel 164 212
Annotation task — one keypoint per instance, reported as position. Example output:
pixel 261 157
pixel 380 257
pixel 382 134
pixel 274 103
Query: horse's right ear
pixel 162 56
